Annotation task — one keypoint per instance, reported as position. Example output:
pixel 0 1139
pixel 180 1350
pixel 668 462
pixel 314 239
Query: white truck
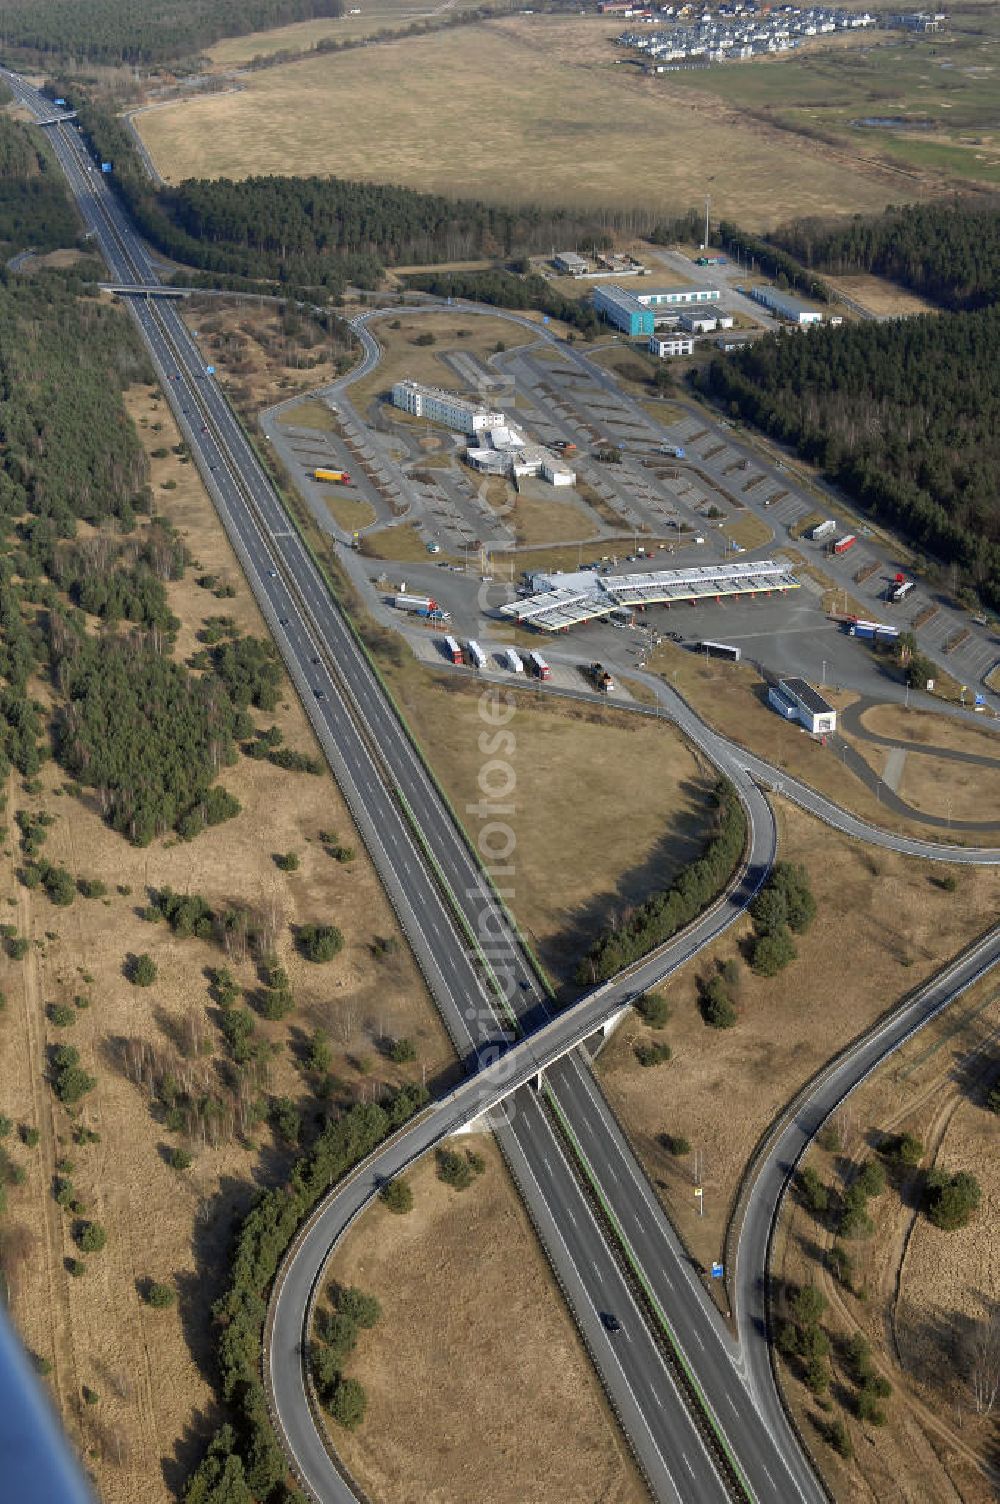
pixel 476 655
pixel 513 661
pixel 823 530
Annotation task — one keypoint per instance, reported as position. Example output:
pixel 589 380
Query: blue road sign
pixel 105 166
pixel 545 318
pixel 58 101
pixel 209 370
pixel 717 1270
pixel 980 699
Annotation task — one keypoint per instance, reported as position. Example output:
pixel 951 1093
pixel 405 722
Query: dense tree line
pixel 948 252
pixel 244 1461
pixel 777 263
pixel 662 915
pixel 132 31
pixel 505 290
pixel 35 208
pixel 904 415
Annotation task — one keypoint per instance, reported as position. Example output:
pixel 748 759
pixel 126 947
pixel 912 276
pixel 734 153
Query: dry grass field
pixel 880 297
pixel 722 1087
pixel 558 111
pixel 917 1291
pixel 605 806
pixel 256 362
pixel 475 335
pixel 151 1369
pixel 522 1416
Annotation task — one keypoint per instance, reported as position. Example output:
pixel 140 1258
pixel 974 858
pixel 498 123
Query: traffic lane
pixel 671 1451
pixel 762 1448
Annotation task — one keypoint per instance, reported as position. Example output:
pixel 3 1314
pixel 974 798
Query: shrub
pixel 90 1396
pixel 716 1005
pixel 772 952
pixel 349 1401
pixel 289 862
pixel 286 1119
pixel 143 971
pixel 808 1305
pixel 653 1054
pixel 903 1150
pixel 159 1296
pixel 179 1159
pixel 401 1051
pixel 320 1055
pixel 839 1438
pixel 653 1009
pixel 17 947
pixel 951 1199
pixel 90 1237
pixel 869 1408
pixel 30 1136
pixel 454 1169
pixel 90 887
pixel 319 942
pixel 993 1099
pixel 814 1192
pixel 397 1196
pixel 6 1126
pixel 76 1267
pixel 872 1178
pixel 854 1219
pixel 675 1143
pixel 858 1356
pixel 364 1310
pixel 70 1081
pixel 62 1015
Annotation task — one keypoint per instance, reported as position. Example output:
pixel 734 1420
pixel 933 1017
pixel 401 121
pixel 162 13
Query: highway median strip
pixel 694 1389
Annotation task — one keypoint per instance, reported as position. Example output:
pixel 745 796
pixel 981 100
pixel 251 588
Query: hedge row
pixel 662 915
pixel 244 1462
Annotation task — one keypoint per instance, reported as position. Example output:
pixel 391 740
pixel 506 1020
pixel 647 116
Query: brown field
pixel 900 925
pixel 881 297
pixel 152 1369
pixel 917 1291
pixel 923 727
pixel 748 530
pixel 942 787
pixel 476 1284
pixel 403 545
pixel 541 515
pixel 572 868
pixel 546 92
pixel 473 334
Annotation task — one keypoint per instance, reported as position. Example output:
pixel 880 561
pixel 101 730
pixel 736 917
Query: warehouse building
pixel 675 344
pixel 636 312
pixel 785 306
pixel 699 322
pixel 570 264
pixel 444 407
pixel 796 700
pixel 507 452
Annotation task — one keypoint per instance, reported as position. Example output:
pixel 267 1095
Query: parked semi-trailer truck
pixel 512 659
pixel 341 477
pixel 453 651
pixel 538 666
pixel 823 530
pixel 843 544
pixel 476 655
pixel 422 606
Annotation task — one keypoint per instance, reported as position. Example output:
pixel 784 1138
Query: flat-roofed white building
pixel 664 347
pixel 439 406
pixel 786 306
pixel 570 263
pixel 697 322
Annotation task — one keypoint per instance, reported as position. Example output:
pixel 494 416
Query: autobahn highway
pixel 440 895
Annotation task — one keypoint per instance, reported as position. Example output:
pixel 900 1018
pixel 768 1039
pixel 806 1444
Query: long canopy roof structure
pixel 567 600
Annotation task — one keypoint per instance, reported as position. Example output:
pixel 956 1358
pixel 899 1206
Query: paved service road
pixel 441 896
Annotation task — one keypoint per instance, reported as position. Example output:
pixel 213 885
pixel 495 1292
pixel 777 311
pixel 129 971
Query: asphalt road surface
pixel 431 877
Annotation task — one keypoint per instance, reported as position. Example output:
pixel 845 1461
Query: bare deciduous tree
pixel 981 1362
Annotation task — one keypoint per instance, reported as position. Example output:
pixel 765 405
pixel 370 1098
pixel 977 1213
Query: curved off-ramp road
pixel 480 976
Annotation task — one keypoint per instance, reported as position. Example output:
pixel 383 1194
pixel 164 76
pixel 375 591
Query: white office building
pixel 699 323
pixel 794 699
pixel 439 406
pixel 676 344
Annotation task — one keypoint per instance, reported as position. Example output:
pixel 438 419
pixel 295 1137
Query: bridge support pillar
pixel 609 1026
